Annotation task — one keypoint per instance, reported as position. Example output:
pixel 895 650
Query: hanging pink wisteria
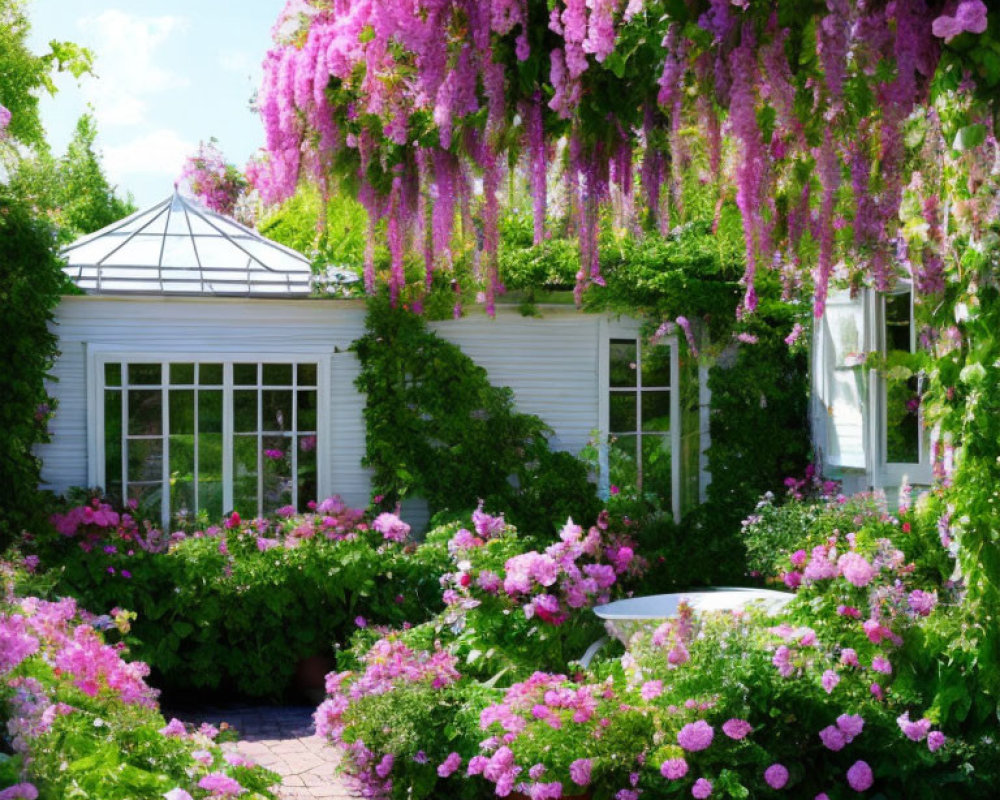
pixel 797 112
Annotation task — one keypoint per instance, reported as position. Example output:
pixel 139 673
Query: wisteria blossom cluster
pixel 418 100
pixel 66 691
pixel 208 177
pixel 575 572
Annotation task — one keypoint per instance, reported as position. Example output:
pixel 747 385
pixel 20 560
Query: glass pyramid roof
pixel 180 247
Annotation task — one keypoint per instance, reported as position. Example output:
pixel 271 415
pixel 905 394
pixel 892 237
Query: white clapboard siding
pixel 191 326
pixel 551 363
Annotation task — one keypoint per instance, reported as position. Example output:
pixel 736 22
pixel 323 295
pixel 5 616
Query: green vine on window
pixel 437 429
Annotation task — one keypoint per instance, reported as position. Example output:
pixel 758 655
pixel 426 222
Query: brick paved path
pixel 282 739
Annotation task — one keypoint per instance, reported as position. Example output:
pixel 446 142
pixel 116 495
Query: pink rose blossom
pixel 674 768
pixel 776 776
pixel 833 738
pixel 830 679
pixel 860 776
pixel 935 740
pixel 695 736
pixel 702 788
pixel 736 728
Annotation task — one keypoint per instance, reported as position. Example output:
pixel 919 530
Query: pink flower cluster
pixel 576 572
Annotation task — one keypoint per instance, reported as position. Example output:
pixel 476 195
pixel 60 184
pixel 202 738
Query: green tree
pixel 24 74
pixel 72 190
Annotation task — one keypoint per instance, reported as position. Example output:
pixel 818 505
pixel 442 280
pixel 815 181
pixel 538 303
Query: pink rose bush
pixel 71 696
pixel 808 704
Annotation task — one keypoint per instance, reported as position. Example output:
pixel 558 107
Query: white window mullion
pixel 675 434
pixel 227 436
pixel 165 446
pixel 124 434
pixel 197 436
pixel 293 439
pixel 260 440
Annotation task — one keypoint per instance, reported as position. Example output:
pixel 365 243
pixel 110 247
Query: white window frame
pixel 894 473
pixel 100 355
pixel 620 329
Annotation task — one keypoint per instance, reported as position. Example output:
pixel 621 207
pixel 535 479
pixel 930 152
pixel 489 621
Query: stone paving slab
pixel 282 739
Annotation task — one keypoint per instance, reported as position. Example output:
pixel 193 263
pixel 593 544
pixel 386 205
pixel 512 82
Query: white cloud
pixel 237 61
pixel 160 152
pixel 126 47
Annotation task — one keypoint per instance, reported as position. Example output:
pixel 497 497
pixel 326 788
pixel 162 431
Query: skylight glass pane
pixel 178 251
pixel 141 250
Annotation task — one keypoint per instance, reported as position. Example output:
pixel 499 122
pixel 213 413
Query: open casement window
pixel 179 436
pixel 904 444
pixel 642 414
pixel 840 380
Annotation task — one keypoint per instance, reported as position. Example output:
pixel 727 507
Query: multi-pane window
pixel 639 413
pixel 181 437
pixel 902 388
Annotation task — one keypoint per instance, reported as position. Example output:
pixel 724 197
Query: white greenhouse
pixel 196 371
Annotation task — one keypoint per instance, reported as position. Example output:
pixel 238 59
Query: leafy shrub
pixel 436 428
pixel 239 604
pixel 81 720
pixel 510 611
pixel 30 284
pixel 852 688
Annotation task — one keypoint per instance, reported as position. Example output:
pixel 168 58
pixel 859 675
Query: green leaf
pixel 969 137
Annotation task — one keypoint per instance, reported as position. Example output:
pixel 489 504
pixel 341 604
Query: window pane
pixel 307 411
pixel 181 411
pixel 182 374
pixel 210 452
pixel 245 374
pixel 623 412
pixel 245 457
pixel 145 374
pixel 145 461
pixel 145 412
pixel 278 374
pixel 622 362
pixel 210 374
pixel 113 443
pixel 148 497
pixel 656 411
pixel 656 465
pixel 276 409
pixel 306 374
pixel 276 460
pixel 182 474
pixel 210 411
pixel 307 470
pixel 902 433
pixel 656 367
pixel 623 459
pixel 113 374
pixel 897 322
pixel 245 411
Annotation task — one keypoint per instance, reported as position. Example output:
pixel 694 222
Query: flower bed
pixel 239 604
pixel 851 691
pixel 81 721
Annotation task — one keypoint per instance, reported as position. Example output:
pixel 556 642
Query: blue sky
pixel 169 73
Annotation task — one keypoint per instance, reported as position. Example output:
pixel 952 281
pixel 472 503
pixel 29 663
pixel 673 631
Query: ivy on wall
pixel 31 282
pixel 437 429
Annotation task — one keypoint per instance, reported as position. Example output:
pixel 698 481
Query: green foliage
pixel 226 610
pixel 31 282
pixel 436 428
pixel 23 74
pixel 330 233
pixel 73 190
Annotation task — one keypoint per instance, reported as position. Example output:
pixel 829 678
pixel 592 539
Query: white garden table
pixel 622 618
